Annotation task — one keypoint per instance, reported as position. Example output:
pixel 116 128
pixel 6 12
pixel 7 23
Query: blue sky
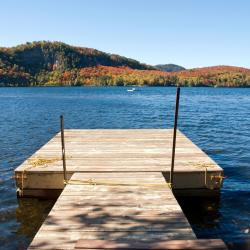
pixel 191 33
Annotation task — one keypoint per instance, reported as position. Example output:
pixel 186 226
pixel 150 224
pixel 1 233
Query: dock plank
pixel 212 244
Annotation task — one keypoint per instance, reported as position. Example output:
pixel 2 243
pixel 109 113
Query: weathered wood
pixel 117 150
pixel 211 244
pixel 113 212
pixel 118 217
pixel 69 238
pixel 117 195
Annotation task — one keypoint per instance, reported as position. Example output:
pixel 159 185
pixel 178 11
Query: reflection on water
pixel 30 215
pixel 217 120
pixel 22 222
pixel 207 218
pixel 202 213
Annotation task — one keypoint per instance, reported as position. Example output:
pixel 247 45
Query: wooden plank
pixel 196 164
pixel 210 244
pixel 125 212
pixel 88 207
pixel 118 227
pixel 54 240
pixel 169 210
pixel 122 155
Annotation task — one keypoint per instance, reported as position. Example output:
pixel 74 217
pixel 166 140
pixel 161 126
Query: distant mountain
pixel 54 63
pixel 169 67
pixel 216 76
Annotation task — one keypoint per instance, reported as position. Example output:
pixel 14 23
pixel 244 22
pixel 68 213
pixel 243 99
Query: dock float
pixel 117 193
pixel 119 150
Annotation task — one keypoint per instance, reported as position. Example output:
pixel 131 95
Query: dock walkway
pixel 141 208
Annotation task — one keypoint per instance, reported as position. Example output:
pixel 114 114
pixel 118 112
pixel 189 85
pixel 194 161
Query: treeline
pixel 108 76
pixel 217 76
pixel 54 63
pixel 222 76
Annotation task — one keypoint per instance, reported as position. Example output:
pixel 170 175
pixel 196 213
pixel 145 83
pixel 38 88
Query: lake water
pixel 217 120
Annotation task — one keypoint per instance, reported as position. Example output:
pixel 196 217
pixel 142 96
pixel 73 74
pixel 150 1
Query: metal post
pixel 63 148
pixel 174 135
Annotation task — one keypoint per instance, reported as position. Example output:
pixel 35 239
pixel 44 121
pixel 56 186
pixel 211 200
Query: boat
pixel 131 90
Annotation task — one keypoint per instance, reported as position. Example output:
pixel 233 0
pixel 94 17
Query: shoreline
pixel 125 86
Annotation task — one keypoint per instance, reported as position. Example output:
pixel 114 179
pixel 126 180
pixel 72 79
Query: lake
pixel 216 119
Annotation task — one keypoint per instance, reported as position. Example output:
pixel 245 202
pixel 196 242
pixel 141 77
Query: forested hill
pixel 31 63
pixel 55 63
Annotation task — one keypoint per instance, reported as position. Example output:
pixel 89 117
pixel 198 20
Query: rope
pixel 216 177
pixel 35 162
pixel 206 177
pixel 22 180
pixel 111 183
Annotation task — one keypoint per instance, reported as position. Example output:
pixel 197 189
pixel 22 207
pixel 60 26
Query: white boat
pixel 131 90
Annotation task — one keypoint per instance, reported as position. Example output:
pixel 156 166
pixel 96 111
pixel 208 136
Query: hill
pixel 169 67
pixel 31 63
pixel 55 63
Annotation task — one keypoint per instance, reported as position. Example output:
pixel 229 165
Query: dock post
pixel 171 180
pixel 63 148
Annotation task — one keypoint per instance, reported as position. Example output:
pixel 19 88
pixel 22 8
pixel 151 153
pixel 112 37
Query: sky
pixel 191 33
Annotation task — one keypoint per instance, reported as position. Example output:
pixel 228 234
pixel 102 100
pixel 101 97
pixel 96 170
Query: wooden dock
pixel 117 194
pixel 113 151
